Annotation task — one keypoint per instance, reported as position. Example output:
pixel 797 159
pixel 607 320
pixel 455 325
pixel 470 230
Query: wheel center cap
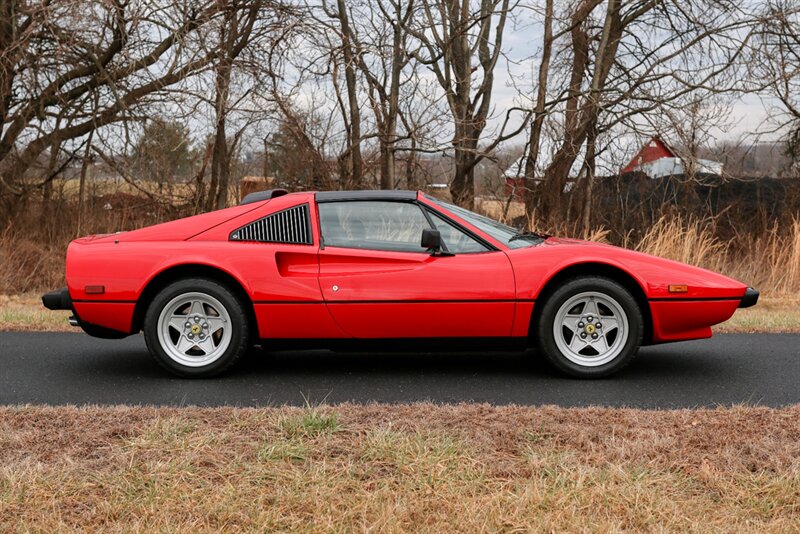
pixel 590 328
pixel 196 329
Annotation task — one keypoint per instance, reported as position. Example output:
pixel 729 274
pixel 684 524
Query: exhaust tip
pixel 73 321
pixel 57 300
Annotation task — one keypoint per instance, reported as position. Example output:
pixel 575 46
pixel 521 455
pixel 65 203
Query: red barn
pixel 653 150
pixel 657 160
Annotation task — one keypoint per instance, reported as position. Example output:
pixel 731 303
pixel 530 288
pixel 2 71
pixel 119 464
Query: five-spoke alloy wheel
pixel 196 328
pixel 590 327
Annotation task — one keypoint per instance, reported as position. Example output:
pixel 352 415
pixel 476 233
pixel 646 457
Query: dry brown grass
pixel 770 262
pixel 28 264
pixel 418 468
pixel 26 313
pixel 689 241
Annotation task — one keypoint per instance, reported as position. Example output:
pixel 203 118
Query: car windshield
pixel 501 232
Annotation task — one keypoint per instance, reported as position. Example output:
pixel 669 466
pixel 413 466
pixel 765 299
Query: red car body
pixel 308 291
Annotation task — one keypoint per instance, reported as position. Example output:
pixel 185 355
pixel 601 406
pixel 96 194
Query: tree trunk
pixel 387 165
pixel 199 202
pixel 539 114
pixel 220 158
pixel 356 165
pixel 265 167
pixel 582 108
pixel 462 187
pixel 589 164
pixel 223 168
pixel 412 183
pixel 388 168
pixel 47 189
pixel 85 166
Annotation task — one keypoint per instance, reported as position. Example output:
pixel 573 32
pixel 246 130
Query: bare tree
pixel 304 135
pixel 234 33
pixel 349 57
pixel 383 60
pixel 454 35
pixel 68 68
pixel 777 59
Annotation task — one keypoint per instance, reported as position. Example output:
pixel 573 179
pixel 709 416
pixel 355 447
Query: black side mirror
pixel 432 241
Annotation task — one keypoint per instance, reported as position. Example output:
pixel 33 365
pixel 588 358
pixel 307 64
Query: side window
pixel 286 226
pixel 455 239
pixel 373 225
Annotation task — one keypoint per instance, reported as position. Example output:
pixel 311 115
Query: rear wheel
pixel 590 327
pixel 196 328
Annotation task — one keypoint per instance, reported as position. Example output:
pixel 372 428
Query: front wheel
pixel 590 327
pixel 196 328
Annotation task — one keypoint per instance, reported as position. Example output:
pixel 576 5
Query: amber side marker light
pixel 94 290
pixel 674 288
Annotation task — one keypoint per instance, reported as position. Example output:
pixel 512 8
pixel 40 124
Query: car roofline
pixel 339 196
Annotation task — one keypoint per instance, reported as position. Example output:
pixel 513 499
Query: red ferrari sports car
pixel 343 268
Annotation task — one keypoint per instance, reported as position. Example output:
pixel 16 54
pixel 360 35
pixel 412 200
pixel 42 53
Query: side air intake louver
pixel 287 226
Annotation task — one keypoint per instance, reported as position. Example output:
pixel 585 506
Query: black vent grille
pixel 288 226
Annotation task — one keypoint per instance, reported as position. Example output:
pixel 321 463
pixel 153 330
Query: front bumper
pixel 57 300
pixel 749 299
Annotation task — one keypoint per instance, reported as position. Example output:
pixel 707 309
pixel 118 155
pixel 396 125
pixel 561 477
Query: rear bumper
pixel 98 319
pixel 750 298
pixel 57 300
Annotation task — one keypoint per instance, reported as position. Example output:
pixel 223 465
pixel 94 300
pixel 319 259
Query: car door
pixel 277 253
pixel 378 282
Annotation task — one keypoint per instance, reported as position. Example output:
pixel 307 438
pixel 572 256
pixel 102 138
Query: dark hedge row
pixel 632 202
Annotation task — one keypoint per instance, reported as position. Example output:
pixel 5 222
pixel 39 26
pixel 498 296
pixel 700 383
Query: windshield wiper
pixel 534 236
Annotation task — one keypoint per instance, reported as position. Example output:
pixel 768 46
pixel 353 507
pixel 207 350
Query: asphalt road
pixel 66 368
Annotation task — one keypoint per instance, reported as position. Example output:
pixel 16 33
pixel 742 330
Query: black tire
pixel 544 327
pixel 239 326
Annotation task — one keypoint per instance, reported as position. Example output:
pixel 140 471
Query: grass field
pixel 417 468
pixel 772 314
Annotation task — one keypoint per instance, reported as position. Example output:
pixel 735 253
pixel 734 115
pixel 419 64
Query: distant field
pixel 71 187
pixel 771 314
pixel 413 468
pixel 26 313
pixel 97 188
